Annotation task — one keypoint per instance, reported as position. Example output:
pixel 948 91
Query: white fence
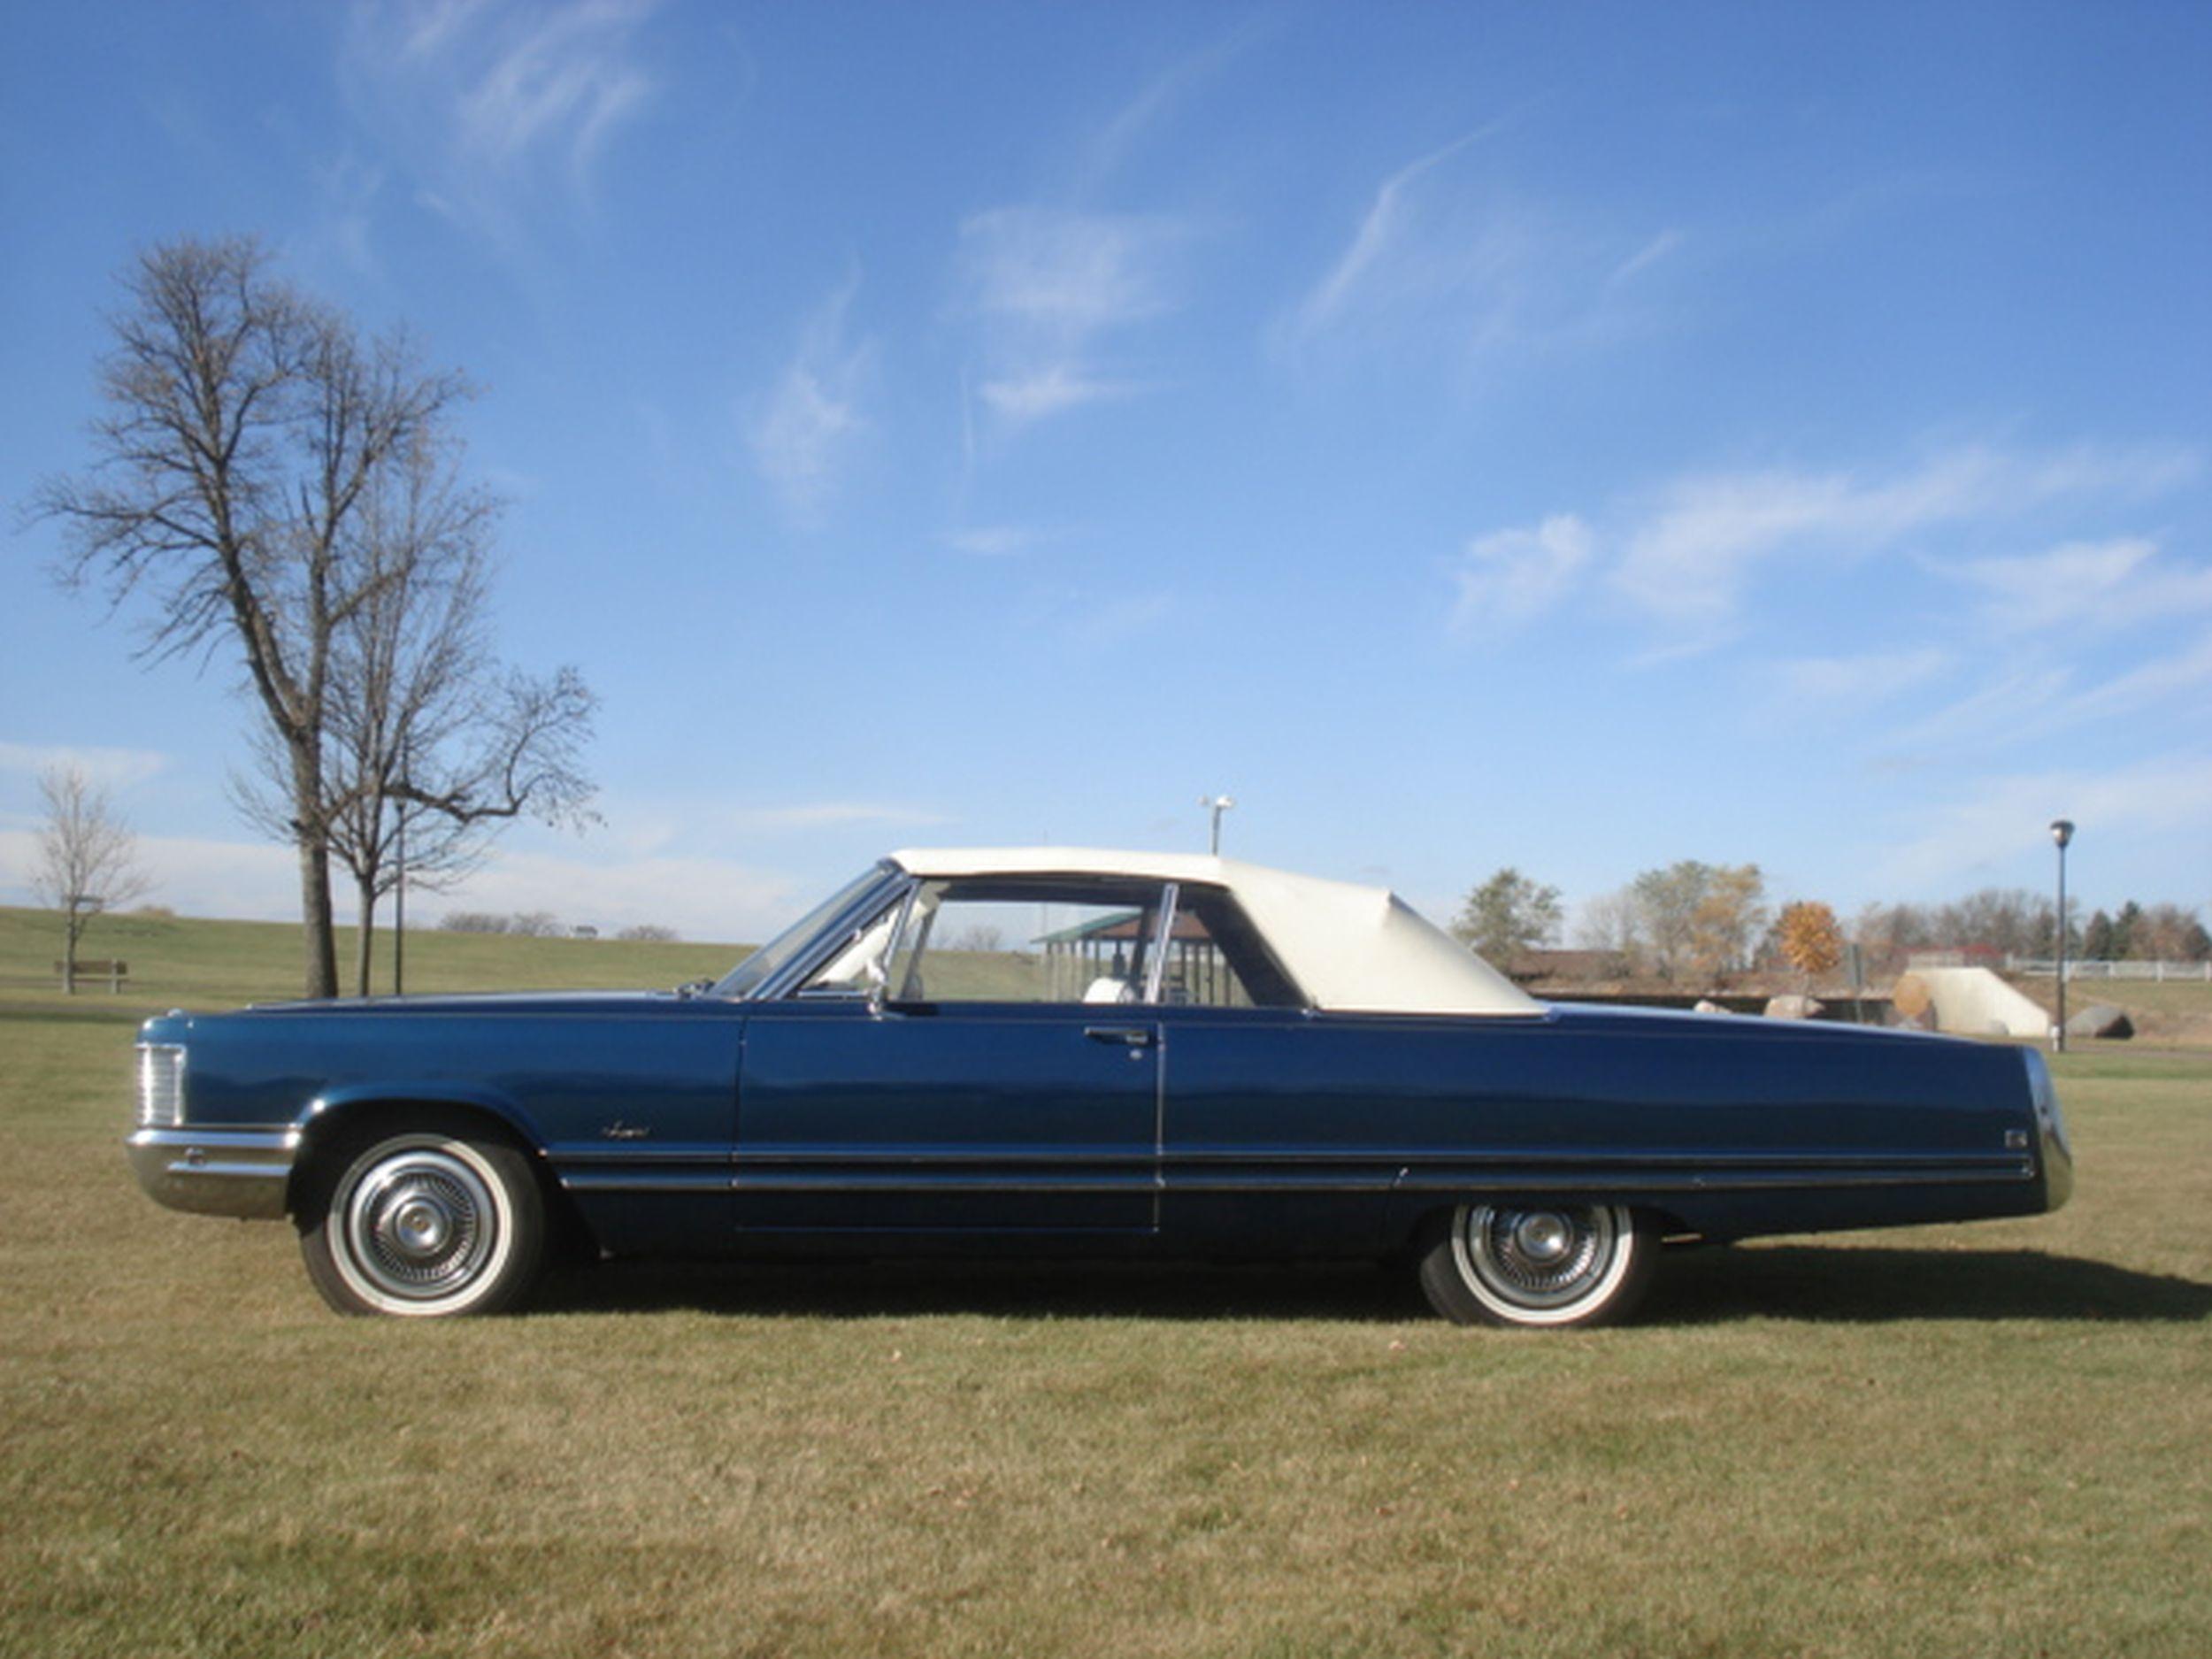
pixel 2044 967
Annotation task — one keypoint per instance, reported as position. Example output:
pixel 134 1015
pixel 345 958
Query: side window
pixel 1027 940
pixel 1217 959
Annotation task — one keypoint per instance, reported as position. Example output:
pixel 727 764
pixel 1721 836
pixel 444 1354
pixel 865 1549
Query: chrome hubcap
pixel 1539 1259
pixel 1543 1238
pixel 420 1225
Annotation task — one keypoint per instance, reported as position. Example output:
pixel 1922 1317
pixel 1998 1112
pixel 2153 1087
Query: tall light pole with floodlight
pixel 1217 804
pixel 2061 832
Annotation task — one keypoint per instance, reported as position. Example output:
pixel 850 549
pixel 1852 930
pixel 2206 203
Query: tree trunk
pixel 363 953
pixel 315 924
pixel 313 836
pixel 69 953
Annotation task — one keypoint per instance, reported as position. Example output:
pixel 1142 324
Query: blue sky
pixel 1573 437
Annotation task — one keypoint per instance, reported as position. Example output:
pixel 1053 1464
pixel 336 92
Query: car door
pixel 1005 1080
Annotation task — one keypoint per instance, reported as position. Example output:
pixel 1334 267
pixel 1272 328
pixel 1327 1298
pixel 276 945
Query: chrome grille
pixel 161 1085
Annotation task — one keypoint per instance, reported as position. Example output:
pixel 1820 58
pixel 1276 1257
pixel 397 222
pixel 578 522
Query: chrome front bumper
pixel 244 1172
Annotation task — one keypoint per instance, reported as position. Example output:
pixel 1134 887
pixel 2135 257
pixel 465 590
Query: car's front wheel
pixel 1537 1264
pixel 424 1224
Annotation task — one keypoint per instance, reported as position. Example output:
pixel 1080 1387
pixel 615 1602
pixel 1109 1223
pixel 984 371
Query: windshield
pixel 763 963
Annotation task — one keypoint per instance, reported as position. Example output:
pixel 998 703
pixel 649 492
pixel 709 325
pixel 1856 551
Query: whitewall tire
pixel 426 1224
pixel 1542 1264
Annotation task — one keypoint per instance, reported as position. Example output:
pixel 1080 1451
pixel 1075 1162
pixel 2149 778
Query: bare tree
pixel 1698 918
pixel 246 425
pixel 432 746
pixel 1609 923
pixel 2168 933
pixel 88 859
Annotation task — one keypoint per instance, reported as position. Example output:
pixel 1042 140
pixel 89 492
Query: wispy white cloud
pixel 347 191
pixel 2039 702
pixel 1509 577
pixel 490 96
pixel 2187 672
pixel 816 815
pixel 1686 559
pixel 111 768
pixel 1994 819
pixel 2016 700
pixel 1109 626
pixel 1047 289
pixel 1145 114
pixel 802 433
pixel 1066 274
pixel 1859 681
pixel 995 541
pixel 1394 255
pixel 1049 391
pixel 2102 585
pixel 1082 623
pixel 1646 257
pixel 1684 556
pixel 1451 260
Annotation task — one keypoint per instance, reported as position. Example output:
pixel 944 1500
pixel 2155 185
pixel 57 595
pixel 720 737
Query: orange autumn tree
pixel 1811 942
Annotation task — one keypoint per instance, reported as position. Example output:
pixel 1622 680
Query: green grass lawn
pixel 1992 1439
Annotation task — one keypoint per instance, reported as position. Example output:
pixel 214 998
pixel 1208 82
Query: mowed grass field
pixel 1993 1439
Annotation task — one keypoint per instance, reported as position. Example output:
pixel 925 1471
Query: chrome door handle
pixel 1128 1036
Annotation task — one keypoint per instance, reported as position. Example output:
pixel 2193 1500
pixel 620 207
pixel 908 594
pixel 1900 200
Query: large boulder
pixel 1793 1006
pixel 2102 1020
pixel 1912 1000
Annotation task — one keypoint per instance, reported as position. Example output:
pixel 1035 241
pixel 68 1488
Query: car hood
pixel 494 1004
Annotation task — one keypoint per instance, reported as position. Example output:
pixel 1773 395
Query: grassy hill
pixel 177 961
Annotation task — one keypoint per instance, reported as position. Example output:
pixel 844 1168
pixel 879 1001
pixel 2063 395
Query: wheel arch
pixel 332 1125
pixel 1415 1224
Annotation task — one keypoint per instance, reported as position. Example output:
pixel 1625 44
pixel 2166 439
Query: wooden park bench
pixel 114 973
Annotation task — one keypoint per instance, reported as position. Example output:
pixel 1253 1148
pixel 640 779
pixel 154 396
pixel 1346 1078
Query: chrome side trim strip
pixel 1507 1179
pixel 644 1180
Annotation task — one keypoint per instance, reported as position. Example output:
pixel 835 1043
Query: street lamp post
pixel 1217 804
pixel 399 888
pixel 2061 832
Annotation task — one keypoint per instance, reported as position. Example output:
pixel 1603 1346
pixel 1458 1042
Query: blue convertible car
pixel 1059 1051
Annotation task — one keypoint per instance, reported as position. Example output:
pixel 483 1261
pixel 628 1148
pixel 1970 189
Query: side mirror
pixel 878 980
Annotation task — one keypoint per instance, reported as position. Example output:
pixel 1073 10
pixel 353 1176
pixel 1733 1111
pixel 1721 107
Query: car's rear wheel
pixel 426 1224
pixel 1537 1264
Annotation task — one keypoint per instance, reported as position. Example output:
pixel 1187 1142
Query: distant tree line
pixel 2012 921
pixel 544 925
pixel 1690 922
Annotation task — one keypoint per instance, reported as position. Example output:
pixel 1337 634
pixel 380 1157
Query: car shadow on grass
pixel 1072 1290
pixel 1820 1283
pixel 1860 1285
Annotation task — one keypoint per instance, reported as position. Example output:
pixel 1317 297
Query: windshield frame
pixel 792 954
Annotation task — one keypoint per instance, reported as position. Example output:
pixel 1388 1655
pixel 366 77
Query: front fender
pixel 335 1115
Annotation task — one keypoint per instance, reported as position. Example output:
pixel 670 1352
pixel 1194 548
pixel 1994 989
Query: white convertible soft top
pixel 1362 949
